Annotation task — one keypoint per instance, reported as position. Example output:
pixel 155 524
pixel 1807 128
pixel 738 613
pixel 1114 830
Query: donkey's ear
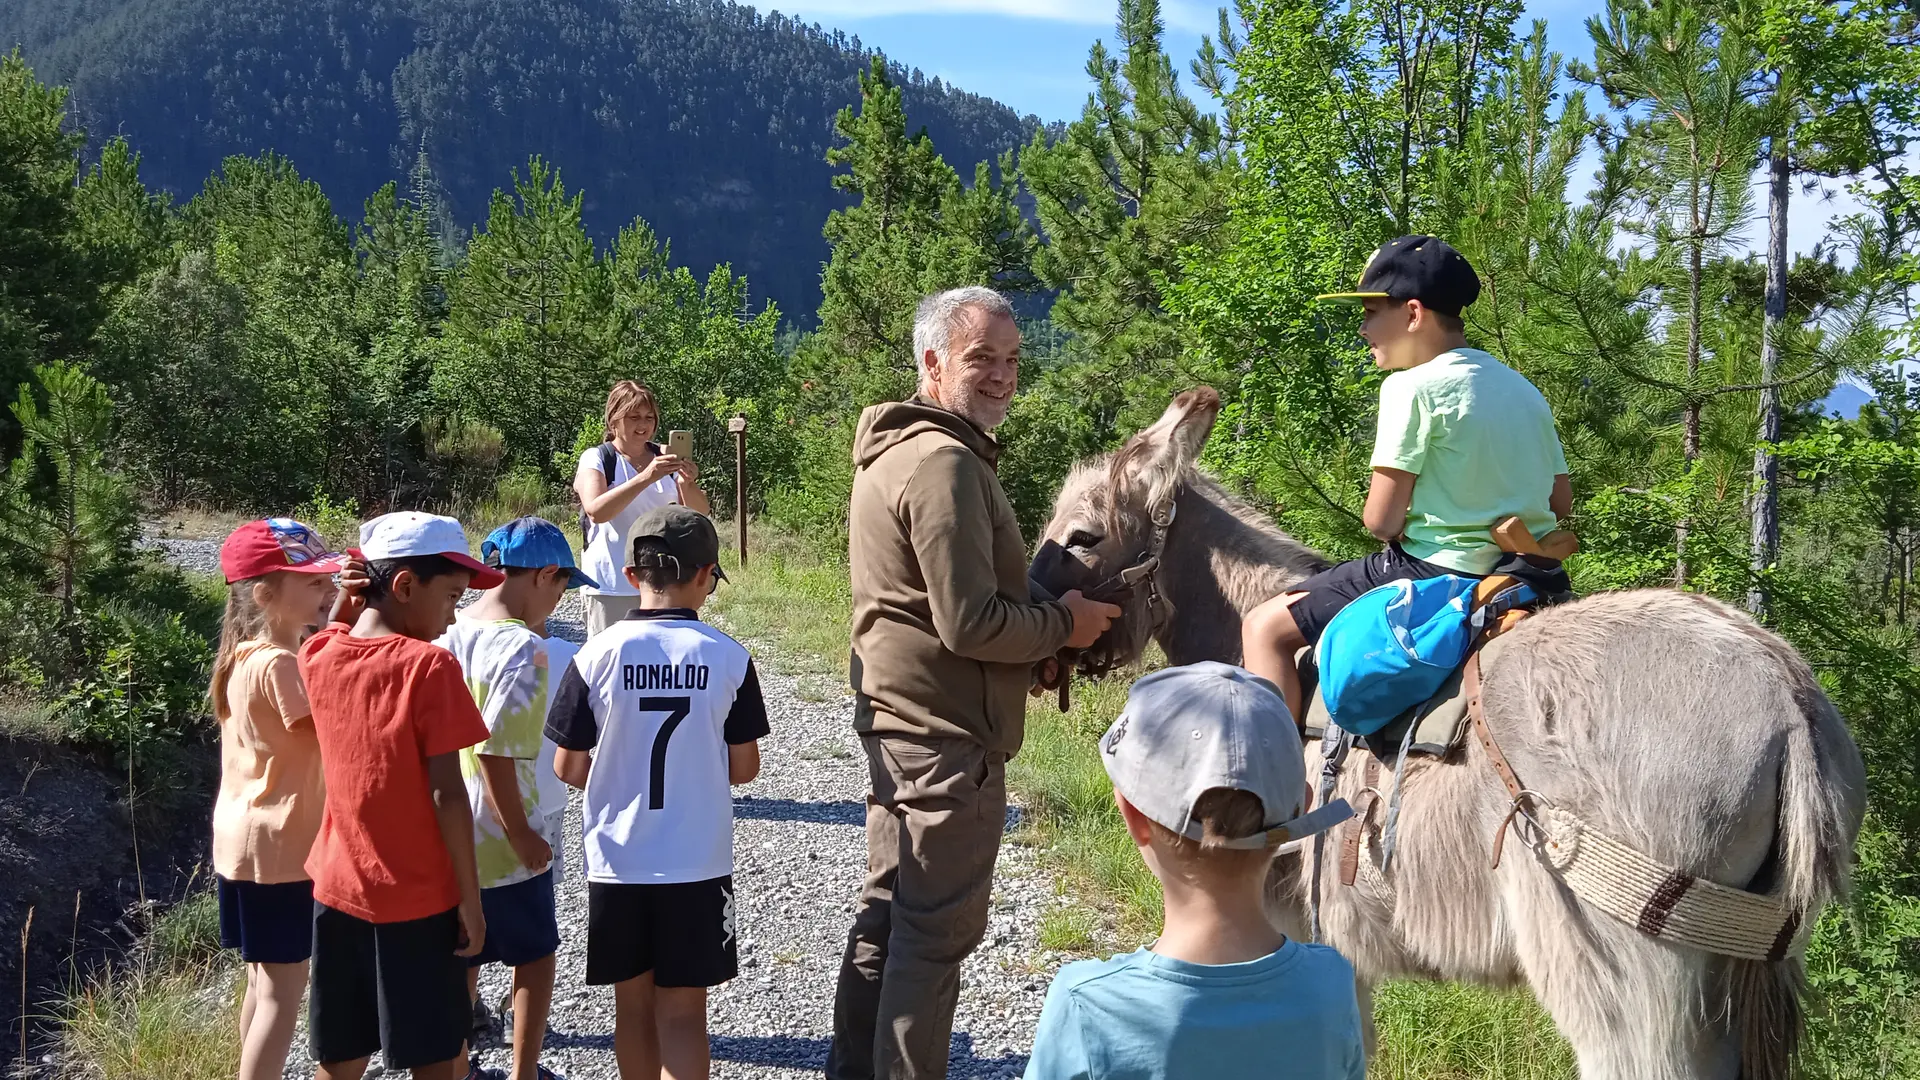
pixel 1173 442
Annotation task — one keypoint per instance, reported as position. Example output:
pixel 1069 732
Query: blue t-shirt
pixel 1143 1015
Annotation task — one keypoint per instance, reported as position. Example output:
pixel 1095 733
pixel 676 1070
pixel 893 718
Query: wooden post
pixel 738 425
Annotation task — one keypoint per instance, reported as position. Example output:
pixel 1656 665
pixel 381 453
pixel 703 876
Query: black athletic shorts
pixel 1330 590
pixel 683 933
pixel 269 924
pixel 522 925
pixel 397 987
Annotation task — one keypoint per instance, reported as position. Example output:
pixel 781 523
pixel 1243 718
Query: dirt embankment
pixel 68 836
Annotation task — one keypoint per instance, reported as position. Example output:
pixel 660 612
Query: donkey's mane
pixel 1283 548
pixel 1260 561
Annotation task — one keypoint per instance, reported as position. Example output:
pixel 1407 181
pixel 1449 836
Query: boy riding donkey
pixel 1464 443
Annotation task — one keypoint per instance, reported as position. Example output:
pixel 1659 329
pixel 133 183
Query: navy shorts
pixel 396 987
pixel 1330 590
pixel 269 924
pixel 681 932
pixel 522 925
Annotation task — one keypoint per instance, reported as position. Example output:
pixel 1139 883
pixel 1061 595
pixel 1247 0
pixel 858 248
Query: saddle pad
pixel 1443 726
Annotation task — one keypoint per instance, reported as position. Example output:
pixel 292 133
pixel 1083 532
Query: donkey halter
pixel 1162 517
pixel 1145 572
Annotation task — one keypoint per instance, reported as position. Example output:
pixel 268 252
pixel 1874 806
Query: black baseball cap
pixel 1422 268
pixel 687 534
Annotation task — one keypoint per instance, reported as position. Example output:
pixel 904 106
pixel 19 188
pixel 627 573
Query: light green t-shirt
pixel 505 665
pixel 1481 439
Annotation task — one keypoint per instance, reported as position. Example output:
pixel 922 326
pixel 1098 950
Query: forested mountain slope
pixel 710 120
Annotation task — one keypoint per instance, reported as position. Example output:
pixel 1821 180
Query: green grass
pixel 1447 1031
pixel 171 1012
pixel 1057 777
pixel 794 592
pixel 1068 928
pixel 188 933
pixel 153 1021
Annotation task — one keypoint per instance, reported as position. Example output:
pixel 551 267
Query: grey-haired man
pixel 945 636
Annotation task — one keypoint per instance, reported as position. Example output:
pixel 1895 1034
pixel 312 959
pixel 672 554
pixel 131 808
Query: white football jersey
pixel 658 697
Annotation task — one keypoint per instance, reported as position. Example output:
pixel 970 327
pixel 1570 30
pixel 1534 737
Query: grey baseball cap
pixel 688 534
pixel 1187 730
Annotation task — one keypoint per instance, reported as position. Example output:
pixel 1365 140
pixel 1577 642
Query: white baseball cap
pixel 406 534
pixel 1187 730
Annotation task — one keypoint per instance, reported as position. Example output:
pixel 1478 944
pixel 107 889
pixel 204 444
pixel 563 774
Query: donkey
pixel 1666 719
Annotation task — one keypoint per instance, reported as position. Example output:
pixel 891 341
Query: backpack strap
pixel 609 464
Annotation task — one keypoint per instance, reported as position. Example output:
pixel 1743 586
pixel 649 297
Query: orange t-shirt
pixel 381 707
pixel 271 792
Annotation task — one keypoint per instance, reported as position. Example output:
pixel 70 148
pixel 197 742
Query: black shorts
pixel 683 933
pixel 522 925
pixel 269 924
pixel 397 987
pixel 1330 590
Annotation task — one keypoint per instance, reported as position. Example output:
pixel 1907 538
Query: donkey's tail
pixel 1822 799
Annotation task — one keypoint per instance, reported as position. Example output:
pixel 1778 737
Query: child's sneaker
pixel 475 1072
pixel 541 1072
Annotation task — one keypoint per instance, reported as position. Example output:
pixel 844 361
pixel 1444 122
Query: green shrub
pixel 522 492
pixel 337 520
pixel 1864 1014
pixel 467 456
pixel 146 689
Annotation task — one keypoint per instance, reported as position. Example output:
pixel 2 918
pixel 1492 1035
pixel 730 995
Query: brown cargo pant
pixel 933 833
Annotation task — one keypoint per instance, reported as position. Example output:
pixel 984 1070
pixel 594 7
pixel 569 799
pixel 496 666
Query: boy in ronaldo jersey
pixel 656 718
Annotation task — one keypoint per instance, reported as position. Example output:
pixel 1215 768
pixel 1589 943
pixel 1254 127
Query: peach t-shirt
pixel 271 792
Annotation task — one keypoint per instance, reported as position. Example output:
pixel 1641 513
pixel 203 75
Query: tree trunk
pixel 1764 542
pixel 1690 409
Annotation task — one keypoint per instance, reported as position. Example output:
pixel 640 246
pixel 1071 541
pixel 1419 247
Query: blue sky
pixel 1032 54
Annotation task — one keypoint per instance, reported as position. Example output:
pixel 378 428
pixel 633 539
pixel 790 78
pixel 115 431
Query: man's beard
pixel 982 412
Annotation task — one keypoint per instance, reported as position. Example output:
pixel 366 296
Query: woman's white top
pixel 607 546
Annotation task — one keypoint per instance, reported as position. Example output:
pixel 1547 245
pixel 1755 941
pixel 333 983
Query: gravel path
pixel 800 853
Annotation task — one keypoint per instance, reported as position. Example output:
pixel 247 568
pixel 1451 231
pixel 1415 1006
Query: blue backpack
pixel 1393 648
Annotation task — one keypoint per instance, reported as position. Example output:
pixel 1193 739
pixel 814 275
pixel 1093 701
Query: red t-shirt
pixel 381 707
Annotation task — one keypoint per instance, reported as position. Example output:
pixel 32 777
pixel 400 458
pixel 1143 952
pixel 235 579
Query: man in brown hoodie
pixel 945 636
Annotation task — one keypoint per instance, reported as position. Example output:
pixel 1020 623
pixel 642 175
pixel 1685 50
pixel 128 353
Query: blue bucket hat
pixel 532 543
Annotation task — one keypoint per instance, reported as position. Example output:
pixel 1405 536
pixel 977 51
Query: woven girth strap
pixel 1655 899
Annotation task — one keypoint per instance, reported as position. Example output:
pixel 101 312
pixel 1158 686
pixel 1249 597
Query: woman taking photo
pixel 642 476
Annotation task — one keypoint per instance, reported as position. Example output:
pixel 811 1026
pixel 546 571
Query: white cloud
pixel 1178 14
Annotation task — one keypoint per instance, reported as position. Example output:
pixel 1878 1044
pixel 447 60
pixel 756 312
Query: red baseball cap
pixel 261 547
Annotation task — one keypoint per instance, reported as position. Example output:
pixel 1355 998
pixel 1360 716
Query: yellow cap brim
pixel 1351 297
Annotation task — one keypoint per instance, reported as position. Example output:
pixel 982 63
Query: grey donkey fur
pixel 1666 719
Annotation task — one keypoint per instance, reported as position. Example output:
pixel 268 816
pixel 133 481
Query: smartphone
pixel 680 444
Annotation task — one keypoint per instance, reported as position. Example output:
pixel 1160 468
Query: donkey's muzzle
pixel 1055 572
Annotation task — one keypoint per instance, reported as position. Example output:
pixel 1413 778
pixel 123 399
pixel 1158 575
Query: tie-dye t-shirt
pixel 505 665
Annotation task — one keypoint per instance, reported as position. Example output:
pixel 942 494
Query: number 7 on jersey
pixel 676 709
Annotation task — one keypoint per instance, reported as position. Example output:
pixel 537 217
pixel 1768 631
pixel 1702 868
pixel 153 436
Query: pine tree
pixel 47 295
pixel 526 315
pixel 1128 191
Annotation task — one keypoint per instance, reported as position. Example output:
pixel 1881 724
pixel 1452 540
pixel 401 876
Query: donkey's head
pixel 1111 507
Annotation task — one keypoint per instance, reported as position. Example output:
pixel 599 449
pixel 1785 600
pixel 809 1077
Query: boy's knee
pixel 1272 621
pixel 680 1004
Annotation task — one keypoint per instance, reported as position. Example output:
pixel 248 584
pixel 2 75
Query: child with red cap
pixel 279 585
